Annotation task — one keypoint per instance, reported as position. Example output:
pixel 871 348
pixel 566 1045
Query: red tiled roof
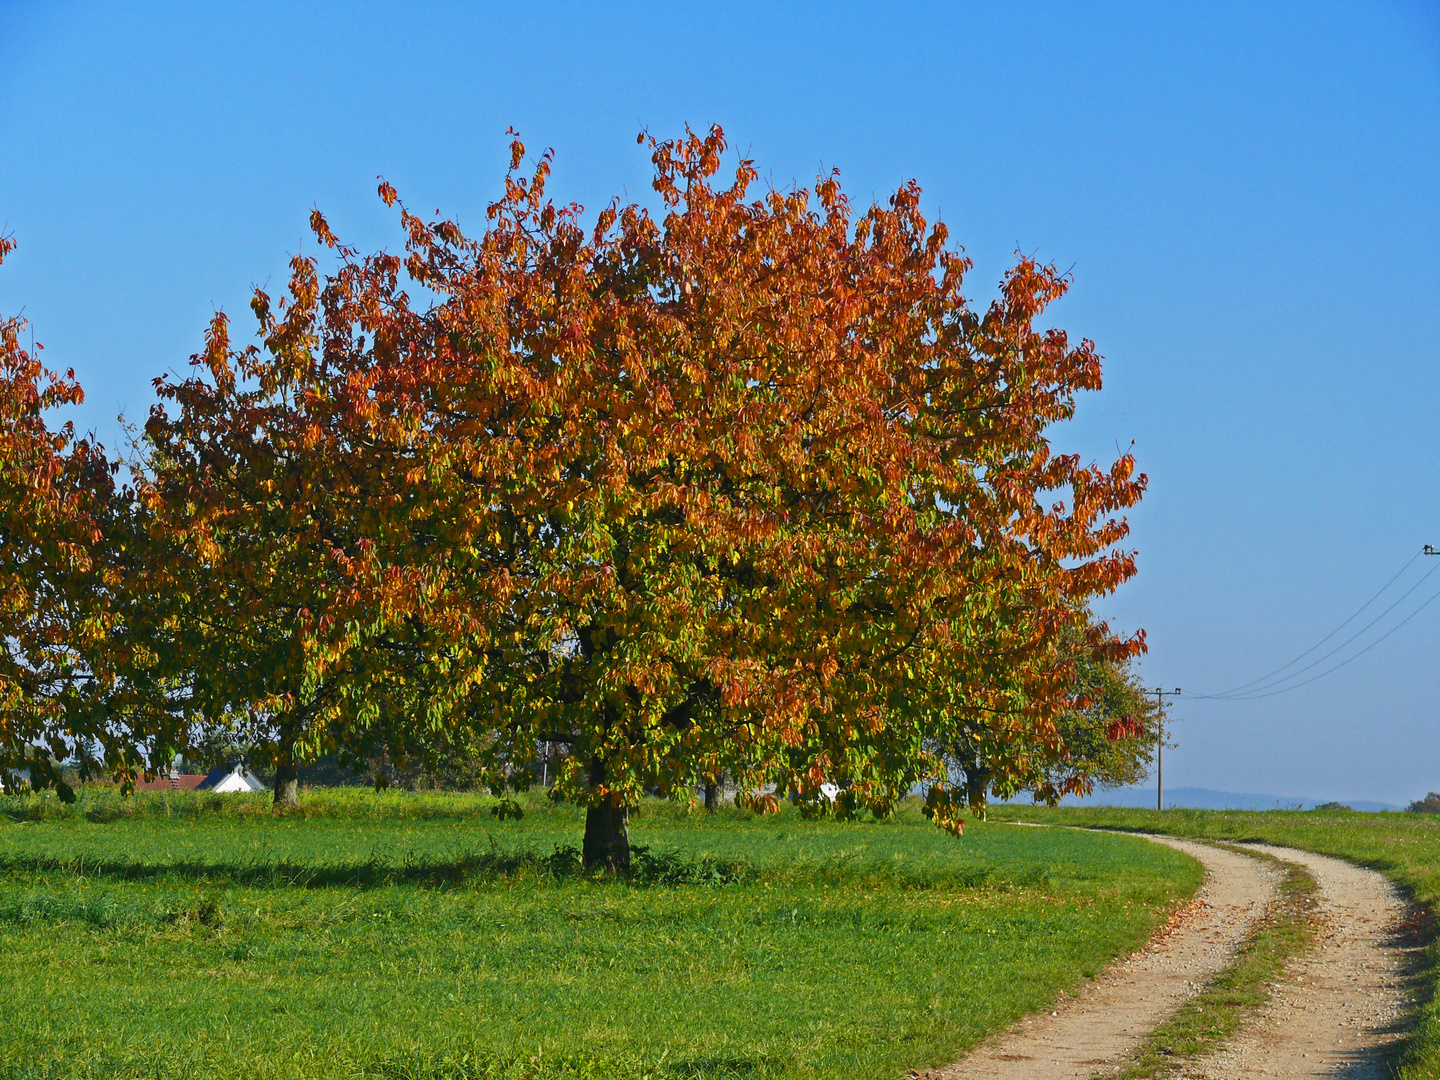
pixel 182 782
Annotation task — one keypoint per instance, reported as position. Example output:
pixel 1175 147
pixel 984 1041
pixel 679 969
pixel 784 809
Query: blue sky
pixel 1248 196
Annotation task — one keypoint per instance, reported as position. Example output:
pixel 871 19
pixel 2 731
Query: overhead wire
pixel 1320 660
pixel 1286 689
pixel 1253 690
pixel 1351 618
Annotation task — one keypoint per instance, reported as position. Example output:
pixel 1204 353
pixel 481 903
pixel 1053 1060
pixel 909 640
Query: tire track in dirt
pixel 1093 1031
pixel 1339 1011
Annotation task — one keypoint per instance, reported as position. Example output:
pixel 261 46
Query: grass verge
pixel 1209 1019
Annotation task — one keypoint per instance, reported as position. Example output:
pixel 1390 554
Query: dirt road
pixel 1335 1015
pixel 1338 1012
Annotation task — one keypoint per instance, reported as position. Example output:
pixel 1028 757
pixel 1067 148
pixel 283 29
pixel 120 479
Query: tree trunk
pixel 607 837
pixel 287 776
pixel 712 797
pixel 287 786
pixel 977 789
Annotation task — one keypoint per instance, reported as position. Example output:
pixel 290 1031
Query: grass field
pixel 1403 847
pixel 416 936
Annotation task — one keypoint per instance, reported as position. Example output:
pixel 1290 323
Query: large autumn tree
pixel 743 486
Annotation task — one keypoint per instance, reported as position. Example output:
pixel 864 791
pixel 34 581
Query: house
pixel 230 778
pixel 170 782
pixel 225 780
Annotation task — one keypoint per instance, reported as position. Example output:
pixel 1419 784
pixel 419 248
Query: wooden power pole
pixel 1160 696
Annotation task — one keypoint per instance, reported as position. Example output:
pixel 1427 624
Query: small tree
pixel 276 490
pixel 1106 738
pixel 73 683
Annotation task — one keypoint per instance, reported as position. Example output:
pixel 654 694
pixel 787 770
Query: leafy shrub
pixel 507 810
pixel 677 868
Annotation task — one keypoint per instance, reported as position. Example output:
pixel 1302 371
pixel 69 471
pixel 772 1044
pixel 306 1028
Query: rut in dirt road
pixel 1092 1032
pixel 1338 1012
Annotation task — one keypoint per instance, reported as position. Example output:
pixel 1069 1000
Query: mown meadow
pixel 406 936
pixel 1403 847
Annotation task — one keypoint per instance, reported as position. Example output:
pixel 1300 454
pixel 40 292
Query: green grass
pixel 1403 847
pixel 416 936
pixel 1207 1020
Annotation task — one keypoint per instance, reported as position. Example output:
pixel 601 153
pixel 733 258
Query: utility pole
pixel 1430 550
pixel 1160 696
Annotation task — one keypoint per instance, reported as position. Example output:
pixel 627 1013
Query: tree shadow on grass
pixel 473 867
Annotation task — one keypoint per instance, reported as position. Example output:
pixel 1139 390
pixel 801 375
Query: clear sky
pixel 1248 195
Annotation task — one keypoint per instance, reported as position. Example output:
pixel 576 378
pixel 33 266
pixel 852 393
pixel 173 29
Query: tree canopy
pixel 741 484
pixel 1106 737
pixel 63 601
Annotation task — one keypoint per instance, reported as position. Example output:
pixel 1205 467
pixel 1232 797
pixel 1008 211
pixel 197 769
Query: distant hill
pixel 1192 798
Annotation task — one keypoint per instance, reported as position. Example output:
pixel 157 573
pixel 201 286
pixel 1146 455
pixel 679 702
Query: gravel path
pixel 1335 1014
pixel 1338 1012
pixel 1091 1032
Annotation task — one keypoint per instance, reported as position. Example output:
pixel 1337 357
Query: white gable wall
pixel 233 782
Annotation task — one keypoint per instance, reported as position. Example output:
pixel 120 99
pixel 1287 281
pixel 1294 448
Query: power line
pixel 1327 637
pixel 1271 693
pixel 1238 695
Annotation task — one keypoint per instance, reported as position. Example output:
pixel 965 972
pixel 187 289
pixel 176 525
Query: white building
pixel 230 778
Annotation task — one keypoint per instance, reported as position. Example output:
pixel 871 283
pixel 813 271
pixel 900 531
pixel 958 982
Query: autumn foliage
pixel 55 493
pixel 739 485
